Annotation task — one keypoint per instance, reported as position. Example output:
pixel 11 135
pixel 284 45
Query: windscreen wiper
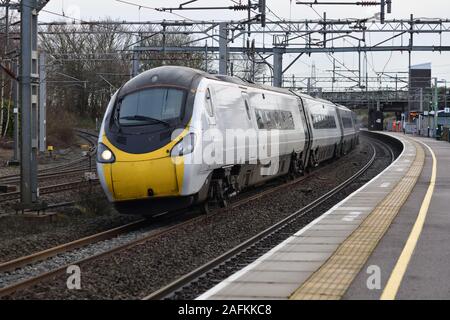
pixel 145 118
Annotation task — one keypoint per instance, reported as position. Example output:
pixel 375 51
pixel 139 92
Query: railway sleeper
pixel 7 188
pixel 34 207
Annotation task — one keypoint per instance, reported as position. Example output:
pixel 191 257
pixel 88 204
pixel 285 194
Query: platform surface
pixel 427 275
pixel 334 256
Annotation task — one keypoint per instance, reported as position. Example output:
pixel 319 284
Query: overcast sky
pixel 286 9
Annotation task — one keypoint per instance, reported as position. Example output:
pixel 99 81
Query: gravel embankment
pixel 20 236
pixel 67 258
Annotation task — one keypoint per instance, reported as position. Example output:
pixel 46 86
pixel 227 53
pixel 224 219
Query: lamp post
pixel 435 106
pixel 445 101
pixel 436 102
pixel 445 92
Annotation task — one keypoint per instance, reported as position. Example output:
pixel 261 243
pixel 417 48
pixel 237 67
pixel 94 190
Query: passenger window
pixel 208 103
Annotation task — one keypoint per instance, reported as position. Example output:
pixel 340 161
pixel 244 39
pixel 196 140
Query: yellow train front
pixel 136 150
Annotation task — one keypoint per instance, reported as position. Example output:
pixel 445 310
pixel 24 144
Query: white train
pixel 175 137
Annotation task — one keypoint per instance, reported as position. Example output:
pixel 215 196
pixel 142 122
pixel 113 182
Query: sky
pixel 284 9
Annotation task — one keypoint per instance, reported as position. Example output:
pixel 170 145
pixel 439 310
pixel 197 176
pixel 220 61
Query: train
pixel 176 137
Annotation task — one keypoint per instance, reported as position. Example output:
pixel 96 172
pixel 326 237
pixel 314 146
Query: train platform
pixel 388 240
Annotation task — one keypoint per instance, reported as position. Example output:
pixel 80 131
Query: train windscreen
pixel 151 106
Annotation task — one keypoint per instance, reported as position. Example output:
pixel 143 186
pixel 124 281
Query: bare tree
pixel 87 66
pixel 7 27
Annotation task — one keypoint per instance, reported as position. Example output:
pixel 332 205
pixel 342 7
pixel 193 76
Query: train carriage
pixel 174 137
pixel 325 128
pixel 348 126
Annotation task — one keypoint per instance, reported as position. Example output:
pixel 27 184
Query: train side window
pixel 208 103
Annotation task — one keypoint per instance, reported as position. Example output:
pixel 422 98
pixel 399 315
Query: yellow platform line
pixel 395 280
pixel 333 278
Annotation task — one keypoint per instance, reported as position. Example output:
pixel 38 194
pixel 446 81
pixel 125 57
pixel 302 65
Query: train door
pixel 209 106
pixel 308 132
pixel 340 114
pixel 253 156
pixel 210 138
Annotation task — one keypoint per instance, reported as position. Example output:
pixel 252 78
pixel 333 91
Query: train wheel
pixel 219 194
pixel 223 203
pixel 204 208
pixel 313 159
pixel 337 152
pixel 296 167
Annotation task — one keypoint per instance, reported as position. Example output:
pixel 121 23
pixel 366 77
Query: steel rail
pixel 45 254
pixel 10 196
pixel 69 164
pixel 47 176
pixel 61 270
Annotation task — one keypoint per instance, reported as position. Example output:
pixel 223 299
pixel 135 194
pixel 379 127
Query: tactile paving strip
pixel 334 277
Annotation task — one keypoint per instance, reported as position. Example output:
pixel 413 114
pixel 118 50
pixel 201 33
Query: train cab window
pixel 151 106
pixel 208 103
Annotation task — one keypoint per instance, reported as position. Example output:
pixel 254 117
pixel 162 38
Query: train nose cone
pixel 135 180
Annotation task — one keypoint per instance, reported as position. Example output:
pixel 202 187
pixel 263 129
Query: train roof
pixel 166 75
pixel 184 77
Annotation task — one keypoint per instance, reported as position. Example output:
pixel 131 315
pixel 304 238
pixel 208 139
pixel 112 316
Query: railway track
pixel 53 252
pixel 11 196
pixel 65 168
pixel 180 288
pixel 49 176
pixel 159 232
pixel 71 169
pixel 45 254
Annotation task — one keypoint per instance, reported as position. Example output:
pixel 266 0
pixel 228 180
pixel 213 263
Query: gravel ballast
pixel 20 236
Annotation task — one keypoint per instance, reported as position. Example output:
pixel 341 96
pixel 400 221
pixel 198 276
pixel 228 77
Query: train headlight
pixel 104 155
pixel 185 146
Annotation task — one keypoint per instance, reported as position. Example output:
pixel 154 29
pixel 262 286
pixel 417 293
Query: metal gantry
pixel 221 40
pixel 298 37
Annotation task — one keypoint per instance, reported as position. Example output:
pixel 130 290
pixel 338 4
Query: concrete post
pixel 34 104
pixel 42 103
pixel 28 94
pixel 421 99
pixel 435 107
pixel 135 63
pixel 15 93
pixel 278 67
pixel 223 48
